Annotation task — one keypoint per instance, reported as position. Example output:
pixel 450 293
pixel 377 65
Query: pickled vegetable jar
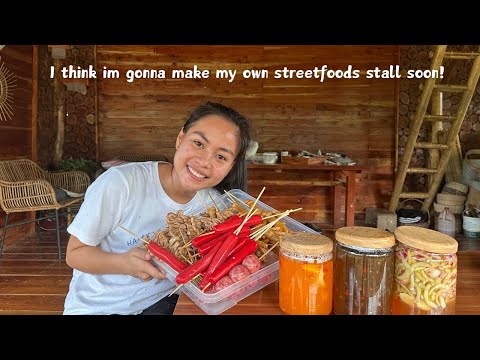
pixel 425 272
pixel 306 274
pixel 364 267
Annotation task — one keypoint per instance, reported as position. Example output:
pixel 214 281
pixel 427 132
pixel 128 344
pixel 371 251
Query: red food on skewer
pixel 219 257
pixel 166 256
pixel 197 267
pixel 236 259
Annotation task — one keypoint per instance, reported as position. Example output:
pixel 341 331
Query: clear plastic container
pixel 306 274
pixel 363 273
pixel 213 303
pixel 425 272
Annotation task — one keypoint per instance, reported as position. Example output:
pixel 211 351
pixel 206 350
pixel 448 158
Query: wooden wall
pixel 16 133
pixel 80 137
pixel 354 116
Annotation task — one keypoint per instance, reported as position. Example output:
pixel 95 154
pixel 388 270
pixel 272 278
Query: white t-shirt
pixel 130 195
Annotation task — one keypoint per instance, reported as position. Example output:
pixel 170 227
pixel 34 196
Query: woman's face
pixel 205 153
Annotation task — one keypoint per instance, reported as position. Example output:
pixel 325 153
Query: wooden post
pixel 34 103
pixel 32 215
pixel 59 110
pixel 437 126
pixel 397 113
pixel 335 196
pixel 95 83
pixel 350 199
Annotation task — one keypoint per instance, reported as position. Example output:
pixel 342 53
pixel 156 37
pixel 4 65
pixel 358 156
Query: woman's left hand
pixel 139 265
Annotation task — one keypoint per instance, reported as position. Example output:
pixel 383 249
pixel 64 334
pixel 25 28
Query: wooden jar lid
pixel 365 237
pixel 306 243
pixel 426 239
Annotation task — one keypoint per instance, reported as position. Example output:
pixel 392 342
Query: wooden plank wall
pixel 16 133
pixel 354 116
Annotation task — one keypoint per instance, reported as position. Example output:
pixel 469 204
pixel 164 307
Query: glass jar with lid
pixel 364 265
pixel 306 274
pixel 425 272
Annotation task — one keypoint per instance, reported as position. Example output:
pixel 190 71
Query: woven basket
pixel 455 188
pixel 415 204
pixel 449 199
pixel 455 209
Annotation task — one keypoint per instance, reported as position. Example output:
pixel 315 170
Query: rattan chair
pixel 140 158
pixel 25 187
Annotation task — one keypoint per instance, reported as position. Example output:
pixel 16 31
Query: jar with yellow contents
pixel 306 274
pixel 364 265
pixel 425 272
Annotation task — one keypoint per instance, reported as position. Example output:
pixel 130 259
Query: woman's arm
pixel 93 260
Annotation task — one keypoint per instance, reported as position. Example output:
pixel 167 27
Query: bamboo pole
pixel 416 125
pixel 454 167
pixel 437 126
pixel 453 133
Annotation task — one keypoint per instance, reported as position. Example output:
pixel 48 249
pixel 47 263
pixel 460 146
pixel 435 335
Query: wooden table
pixel 265 301
pixel 335 173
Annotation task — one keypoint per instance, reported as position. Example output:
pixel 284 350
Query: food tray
pixel 216 303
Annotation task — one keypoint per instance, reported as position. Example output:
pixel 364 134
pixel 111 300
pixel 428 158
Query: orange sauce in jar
pixel 306 274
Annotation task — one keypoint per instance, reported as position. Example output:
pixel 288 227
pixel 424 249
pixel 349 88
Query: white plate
pixel 73 194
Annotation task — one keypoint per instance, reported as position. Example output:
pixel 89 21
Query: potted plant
pixel 88 166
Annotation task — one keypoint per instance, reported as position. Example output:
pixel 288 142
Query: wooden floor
pixel 34 281
pixel 32 278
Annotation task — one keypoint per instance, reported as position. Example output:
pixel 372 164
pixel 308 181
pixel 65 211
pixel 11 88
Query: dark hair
pixel 237 177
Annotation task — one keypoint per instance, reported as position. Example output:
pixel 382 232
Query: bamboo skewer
pixel 211 198
pixel 248 214
pixel 179 286
pixel 203 202
pixel 256 200
pixel 259 233
pixel 224 206
pixel 230 197
pixel 208 233
pixel 243 222
pixel 236 199
pixel 266 252
pixel 132 233
pixel 268 217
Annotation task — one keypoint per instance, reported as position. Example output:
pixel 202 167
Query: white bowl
pixel 270 157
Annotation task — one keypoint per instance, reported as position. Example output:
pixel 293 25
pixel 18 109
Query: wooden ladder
pixel 445 148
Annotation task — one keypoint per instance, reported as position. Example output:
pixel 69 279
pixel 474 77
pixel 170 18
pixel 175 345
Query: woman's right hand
pixel 139 265
pixel 93 260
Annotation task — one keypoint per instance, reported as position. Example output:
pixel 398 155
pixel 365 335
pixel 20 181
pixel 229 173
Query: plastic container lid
pixel 426 239
pixel 365 237
pixel 306 243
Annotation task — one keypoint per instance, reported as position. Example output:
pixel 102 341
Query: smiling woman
pixel 112 273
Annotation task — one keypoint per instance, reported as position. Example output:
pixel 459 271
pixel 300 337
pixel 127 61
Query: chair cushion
pixel 61 195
